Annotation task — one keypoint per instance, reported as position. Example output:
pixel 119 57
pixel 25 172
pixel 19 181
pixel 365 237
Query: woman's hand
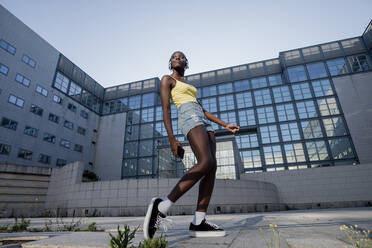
pixel 174 144
pixel 232 128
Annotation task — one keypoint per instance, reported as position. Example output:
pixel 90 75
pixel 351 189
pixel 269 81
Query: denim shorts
pixel 190 115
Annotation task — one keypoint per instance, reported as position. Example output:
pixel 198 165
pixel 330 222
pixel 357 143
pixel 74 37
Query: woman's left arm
pixel 230 127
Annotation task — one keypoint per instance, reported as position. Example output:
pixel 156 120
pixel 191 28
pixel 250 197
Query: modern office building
pixel 309 107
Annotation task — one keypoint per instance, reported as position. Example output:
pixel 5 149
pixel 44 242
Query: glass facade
pixel 287 108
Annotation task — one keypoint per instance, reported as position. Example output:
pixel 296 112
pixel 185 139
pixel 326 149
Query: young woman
pixel 193 123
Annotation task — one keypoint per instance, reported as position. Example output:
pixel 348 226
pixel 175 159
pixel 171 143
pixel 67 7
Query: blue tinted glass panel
pixel 316 70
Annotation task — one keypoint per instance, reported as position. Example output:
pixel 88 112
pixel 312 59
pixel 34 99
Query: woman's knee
pixel 207 164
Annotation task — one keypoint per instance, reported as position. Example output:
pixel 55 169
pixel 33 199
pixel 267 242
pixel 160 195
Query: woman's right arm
pixel 165 88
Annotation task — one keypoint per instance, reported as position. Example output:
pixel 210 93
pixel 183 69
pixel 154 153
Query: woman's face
pixel 178 60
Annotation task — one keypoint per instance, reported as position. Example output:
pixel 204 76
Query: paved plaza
pixel 298 229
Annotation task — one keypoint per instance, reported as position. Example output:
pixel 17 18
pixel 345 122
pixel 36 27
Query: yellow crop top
pixel 182 93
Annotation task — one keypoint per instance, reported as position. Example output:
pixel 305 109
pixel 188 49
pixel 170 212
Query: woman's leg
pixel 207 183
pixel 200 145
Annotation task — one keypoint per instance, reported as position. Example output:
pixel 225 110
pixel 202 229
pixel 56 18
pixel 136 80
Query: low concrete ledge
pixel 69 196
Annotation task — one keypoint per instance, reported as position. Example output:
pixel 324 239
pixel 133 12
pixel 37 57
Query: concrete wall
pixel 354 92
pixel 110 146
pixel 23 190
pixel 336 186
pixel 131 197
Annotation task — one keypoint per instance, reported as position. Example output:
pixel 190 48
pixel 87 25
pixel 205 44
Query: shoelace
pixel 163 223
pixel 212 224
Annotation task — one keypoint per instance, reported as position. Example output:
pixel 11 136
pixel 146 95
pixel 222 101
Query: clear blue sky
pixel 120 41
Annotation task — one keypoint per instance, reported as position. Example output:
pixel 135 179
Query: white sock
pixel 198 217
pixel 165 205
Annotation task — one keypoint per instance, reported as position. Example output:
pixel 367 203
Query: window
pixel 5 149
pixel 16 101
pixel 175 129
pixel 306 109
pixel 328 106
pixel 122 105
pixel 57 99
pixel 160 129
pixel 265 115
pixel 159 113
pixel 53 117
pixel 273 155
pixel 251 159
pixel 247 141
pixel 145 147
pixel 285 112
pixel 29 61
pixel 294 153
pixel 301 91
pixel 65 143
pixel 36 110
pixel 8 123
pixel 341 148
pixel 310 51
pixel 275 79
pixel 242 85
pixel 71 107
pixel 148 100
pixel 49 137
pixel 133 117
pixel 129 167
pixel 147 115
pixel 311 129
pixel 359 63
pixel 334 126
pixel 316 70
pixel 246 117
pixel 4 69
pixel 228 117
pixel 226 102
pixel 281 94
pixel 317 150
pixel 84 114
pixel 25 154
pixel 174 111
pixel 61 82
pixel 23 80
pixel 81 130
pixel 296 74
pixel 209 91
pixel 262 97
pixel 41 90
pixel 322 88
pixel 269 134
pixel 7 47
pixel 61 162
pixel 78 148
pixel 149 84
pixel 68 124
pixel 244 100
pixel 131 149
pixel 75 90
pixel 210 104
pixel 44 159
pixel 135 102
pixel 31 131
pixel 145 166
pixel 225 88
pixel 147 131
pixel 337 66
pixel 290 131
pixel 259 82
